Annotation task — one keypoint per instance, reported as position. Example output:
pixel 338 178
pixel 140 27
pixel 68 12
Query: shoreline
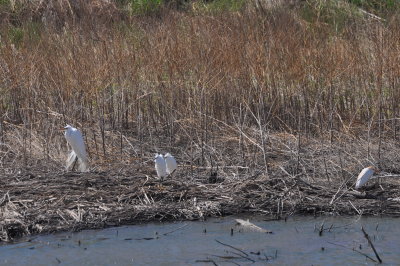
pixel 45 203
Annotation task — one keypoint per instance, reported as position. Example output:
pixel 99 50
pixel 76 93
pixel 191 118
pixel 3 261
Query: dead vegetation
pixel 317 179
pixel 264 109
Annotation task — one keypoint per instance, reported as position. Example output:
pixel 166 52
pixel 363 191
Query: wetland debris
pixel 371 244
pixel 208 261
pixel 59 201
pixel 353 249
pixel 241 251
pixel 321 228
pixel 252 227
pixel 241 254
pixel 42 199
pixel 179 228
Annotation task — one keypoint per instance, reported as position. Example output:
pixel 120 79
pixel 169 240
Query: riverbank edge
pixel 50 203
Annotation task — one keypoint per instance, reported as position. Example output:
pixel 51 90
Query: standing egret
pixel 364 176
pixel 171 163
pixel 161 166
pixel 75 140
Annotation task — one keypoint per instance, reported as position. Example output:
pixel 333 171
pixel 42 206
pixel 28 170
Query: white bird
pixel 75 140
pixel 171 163
pixel 364 176
pixel 161 166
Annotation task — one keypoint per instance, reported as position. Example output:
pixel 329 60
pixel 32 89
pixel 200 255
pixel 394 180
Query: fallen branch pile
pixel 70 201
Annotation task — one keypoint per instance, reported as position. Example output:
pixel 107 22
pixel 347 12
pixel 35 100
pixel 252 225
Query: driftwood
pixel 251 226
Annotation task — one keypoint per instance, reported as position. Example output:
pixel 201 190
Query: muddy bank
pixel 38 202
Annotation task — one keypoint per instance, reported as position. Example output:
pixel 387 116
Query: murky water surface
pixel 294 242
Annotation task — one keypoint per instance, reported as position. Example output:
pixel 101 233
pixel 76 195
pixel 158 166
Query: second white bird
pixel 161 166
pixel 171 163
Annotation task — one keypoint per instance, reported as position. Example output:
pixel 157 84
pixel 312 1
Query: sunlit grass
pixel 187 73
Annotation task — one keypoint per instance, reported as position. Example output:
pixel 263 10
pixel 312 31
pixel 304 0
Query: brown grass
pixel 188 75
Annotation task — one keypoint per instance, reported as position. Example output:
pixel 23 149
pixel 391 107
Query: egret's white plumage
pixel 161 166
pixel 75 140
pixel 171 163
pixel 364 176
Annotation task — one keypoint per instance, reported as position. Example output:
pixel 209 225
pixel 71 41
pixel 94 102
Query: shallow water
pixel 294 242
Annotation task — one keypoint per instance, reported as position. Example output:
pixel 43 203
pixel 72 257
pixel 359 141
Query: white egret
pixel 75 140
pixel 171 163
pixel 161 166
pixel 365 175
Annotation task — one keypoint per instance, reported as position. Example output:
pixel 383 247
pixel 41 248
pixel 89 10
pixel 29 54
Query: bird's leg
pixel 170 174
pixel 73 166
pixel 380 183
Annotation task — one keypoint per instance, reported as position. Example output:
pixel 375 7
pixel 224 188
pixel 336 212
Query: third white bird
pixel 364 176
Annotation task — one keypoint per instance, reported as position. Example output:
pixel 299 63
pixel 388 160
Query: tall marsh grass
pixel 183 78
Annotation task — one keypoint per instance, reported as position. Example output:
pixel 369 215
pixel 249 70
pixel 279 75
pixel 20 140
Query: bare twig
pixel 371 244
